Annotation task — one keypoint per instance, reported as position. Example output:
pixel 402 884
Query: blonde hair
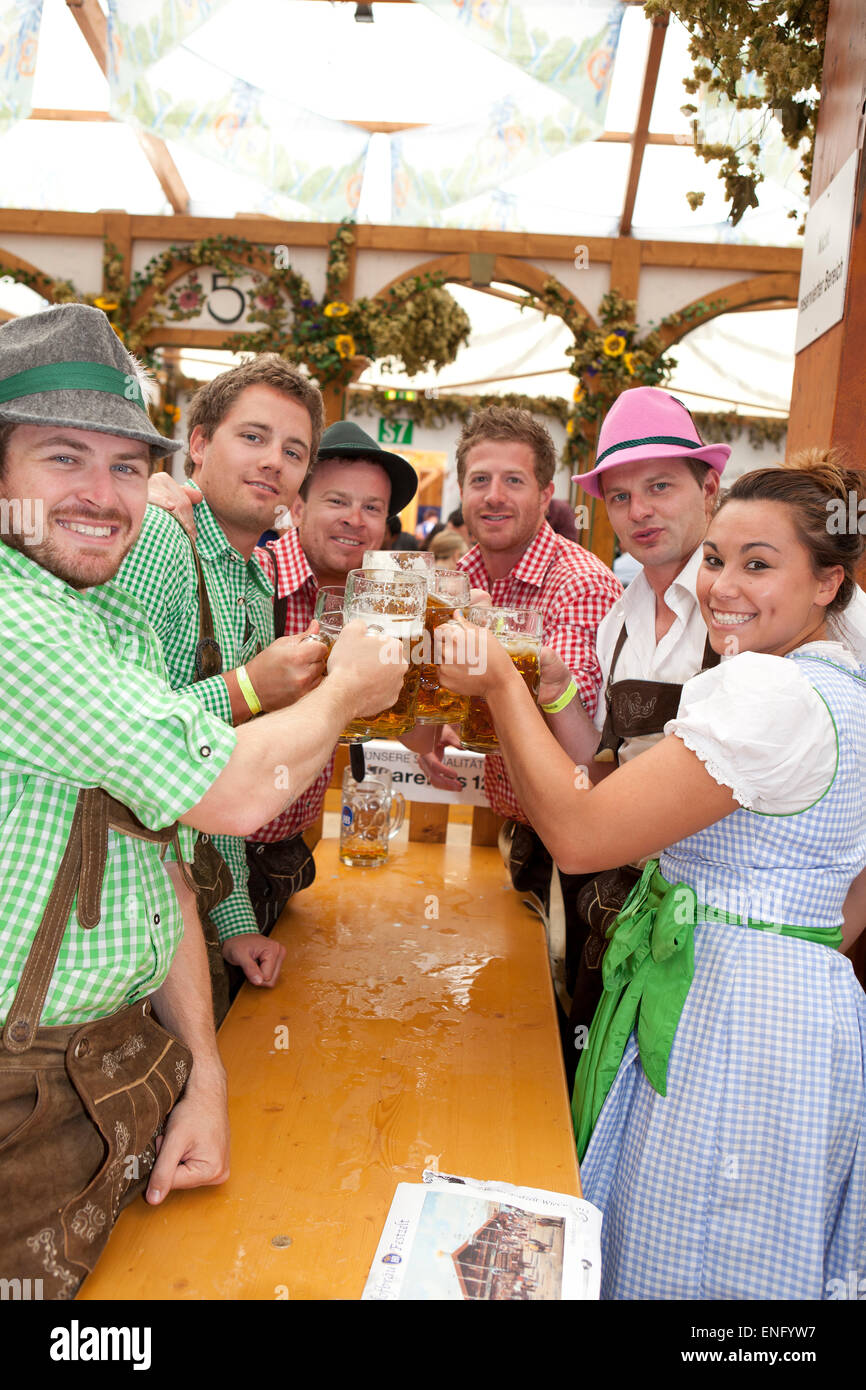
pixel 447 546
pixel 508 423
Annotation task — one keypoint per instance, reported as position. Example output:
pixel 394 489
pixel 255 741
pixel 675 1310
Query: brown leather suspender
pixel 83 864
pixel 637 708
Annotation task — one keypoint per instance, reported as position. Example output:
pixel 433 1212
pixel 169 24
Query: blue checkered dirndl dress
pixel 748 1179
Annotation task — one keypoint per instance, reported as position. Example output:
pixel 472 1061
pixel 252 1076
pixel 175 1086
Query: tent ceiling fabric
pixel 256 102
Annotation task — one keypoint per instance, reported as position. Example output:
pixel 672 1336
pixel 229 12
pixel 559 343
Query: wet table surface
pixel 413 1026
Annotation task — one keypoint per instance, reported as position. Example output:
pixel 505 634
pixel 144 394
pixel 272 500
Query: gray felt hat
pixel 67 366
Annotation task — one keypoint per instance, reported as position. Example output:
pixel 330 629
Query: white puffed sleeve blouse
pixel 762 729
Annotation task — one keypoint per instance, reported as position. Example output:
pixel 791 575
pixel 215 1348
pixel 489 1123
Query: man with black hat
pixel 99 761
pixel 340 510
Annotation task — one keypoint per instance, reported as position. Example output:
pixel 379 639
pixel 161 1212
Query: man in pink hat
pixel 659 482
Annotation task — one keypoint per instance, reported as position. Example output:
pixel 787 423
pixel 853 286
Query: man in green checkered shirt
pixel 97 754
pixel 246 484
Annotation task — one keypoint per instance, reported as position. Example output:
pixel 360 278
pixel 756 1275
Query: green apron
pixel 648 970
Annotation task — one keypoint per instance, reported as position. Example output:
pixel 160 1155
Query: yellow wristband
pixel 565 698
pixel 246 685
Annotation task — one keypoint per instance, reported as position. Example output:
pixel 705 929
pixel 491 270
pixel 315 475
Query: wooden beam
pixel 165 169
pixel 441 240
pixel 116 229
pixel 388 127
pixel 830 373
pixel 53 113
pixel 92 22
pixel 94 26
pixel 625 267
pixel 607 137
pixel 650 79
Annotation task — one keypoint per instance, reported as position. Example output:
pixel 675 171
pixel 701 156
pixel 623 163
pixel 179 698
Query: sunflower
pixel 336 309
pixel 345 344
pixel 579 394
pixel 613 345
pixel 106 305
pixel 628 359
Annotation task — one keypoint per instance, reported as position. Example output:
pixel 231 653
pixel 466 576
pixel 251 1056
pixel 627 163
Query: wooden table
pixel 396 1040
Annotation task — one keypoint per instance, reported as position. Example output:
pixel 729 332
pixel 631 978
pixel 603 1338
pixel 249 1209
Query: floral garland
pixel 718 426
pixel 608 357
pixel 783 45
pixel 435 410
pixel 417 323
pixel 416 326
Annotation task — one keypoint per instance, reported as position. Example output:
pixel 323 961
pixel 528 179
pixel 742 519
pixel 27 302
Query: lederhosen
pixel 280 868
pixel 80 1106
pixel 635 709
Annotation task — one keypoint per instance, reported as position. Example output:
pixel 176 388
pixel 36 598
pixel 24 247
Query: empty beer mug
pixel 371 816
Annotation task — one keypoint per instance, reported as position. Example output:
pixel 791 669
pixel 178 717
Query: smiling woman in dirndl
pixel 719 1105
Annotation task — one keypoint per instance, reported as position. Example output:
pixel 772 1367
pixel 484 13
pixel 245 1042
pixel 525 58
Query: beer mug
pixel 370 819
pixel 393 603
pixel 405 561
pixel 519 631
pixel 446 590
pixel 329 613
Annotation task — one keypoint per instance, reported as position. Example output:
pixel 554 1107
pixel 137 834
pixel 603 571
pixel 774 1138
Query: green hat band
pixel 651 439
pixel 72 376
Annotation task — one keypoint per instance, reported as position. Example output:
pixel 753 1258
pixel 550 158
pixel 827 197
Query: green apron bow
pixel 647 970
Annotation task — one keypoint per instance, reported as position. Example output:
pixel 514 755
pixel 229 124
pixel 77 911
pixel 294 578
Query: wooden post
pixel 830 374
pixel 428 822
pixel 117 229
pixel 335 394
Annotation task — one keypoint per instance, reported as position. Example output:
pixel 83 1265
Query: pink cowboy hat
pixel 646 423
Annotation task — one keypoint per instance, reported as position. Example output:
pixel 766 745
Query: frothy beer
pixel 400 718
pixel 436 704
pixel 478 733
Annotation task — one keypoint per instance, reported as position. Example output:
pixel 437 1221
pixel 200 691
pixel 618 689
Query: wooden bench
pixel 413 1026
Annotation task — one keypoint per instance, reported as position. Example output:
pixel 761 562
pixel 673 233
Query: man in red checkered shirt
pixel 341 510
pixel 505 465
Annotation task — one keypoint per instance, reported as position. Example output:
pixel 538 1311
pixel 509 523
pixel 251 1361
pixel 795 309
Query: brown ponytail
pixel 824 496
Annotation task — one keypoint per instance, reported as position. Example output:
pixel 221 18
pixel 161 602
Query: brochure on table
pixel 451 1238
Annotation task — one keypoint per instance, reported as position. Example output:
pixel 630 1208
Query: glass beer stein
pixel 406 561
pixel 329 612
pixel 370 819
pixel 519 631
pixel 447 590
pixel 394 604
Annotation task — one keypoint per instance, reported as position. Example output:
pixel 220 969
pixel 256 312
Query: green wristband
pixel 565 698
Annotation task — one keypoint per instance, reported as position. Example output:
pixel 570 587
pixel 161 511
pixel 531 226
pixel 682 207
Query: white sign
pixel 826 248
pixel 407 776
pixel 221 302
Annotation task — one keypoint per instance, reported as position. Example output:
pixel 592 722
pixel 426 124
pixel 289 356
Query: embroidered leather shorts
pixel 79 1113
